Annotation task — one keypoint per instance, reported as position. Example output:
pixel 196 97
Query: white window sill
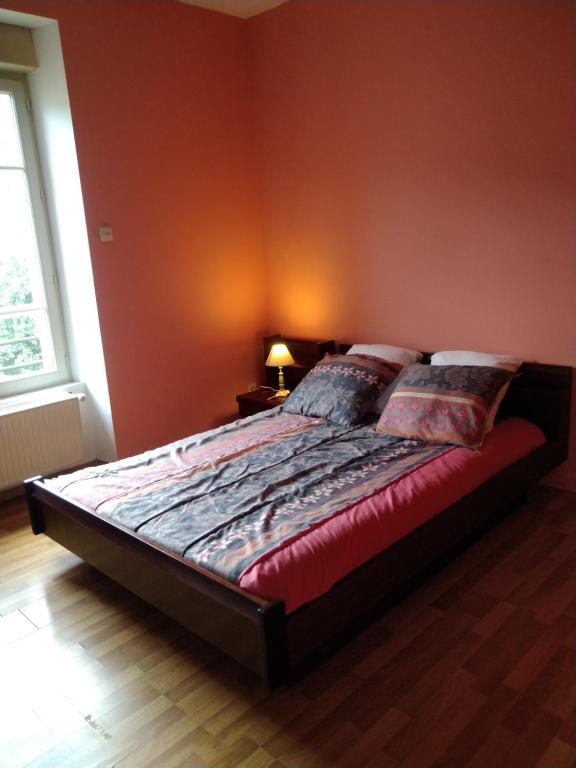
pixel 42 397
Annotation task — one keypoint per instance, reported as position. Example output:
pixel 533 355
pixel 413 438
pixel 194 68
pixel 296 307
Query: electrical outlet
pixel 105 234
pixel 252 387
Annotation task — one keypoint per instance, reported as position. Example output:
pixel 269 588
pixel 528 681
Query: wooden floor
pixel 475 669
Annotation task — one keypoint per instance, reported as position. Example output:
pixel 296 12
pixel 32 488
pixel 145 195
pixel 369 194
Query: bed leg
pixel 274 644
pixel 36 518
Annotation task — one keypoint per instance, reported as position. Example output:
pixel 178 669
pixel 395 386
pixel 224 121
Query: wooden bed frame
pixel 258 633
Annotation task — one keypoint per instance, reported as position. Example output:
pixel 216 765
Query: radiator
pixel 39 438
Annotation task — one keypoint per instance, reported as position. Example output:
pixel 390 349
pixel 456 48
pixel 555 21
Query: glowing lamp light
pixel 278 357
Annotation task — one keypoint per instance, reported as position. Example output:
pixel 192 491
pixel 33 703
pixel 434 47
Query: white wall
pixel 53 122
pixel 66 210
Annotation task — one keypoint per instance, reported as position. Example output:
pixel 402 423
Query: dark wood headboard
pixel 540 393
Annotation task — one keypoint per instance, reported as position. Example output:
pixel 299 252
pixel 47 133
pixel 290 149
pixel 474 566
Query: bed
pixel 279 638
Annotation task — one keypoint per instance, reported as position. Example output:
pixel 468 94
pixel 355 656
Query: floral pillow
pixel 342 388
pixel 443 403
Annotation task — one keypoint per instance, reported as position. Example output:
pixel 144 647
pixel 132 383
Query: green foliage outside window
pixel 24 353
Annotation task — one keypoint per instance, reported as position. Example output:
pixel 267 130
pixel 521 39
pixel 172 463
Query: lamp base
pixel 282 393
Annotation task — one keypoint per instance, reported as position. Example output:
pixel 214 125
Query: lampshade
pixel 279 355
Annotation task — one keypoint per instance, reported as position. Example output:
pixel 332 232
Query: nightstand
pixel 306 354
pixel 257 401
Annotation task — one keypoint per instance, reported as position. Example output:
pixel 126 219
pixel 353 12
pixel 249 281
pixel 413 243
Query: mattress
pixel 286 505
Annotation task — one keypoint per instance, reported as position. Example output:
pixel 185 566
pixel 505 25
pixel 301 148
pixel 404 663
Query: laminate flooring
pixel 474 669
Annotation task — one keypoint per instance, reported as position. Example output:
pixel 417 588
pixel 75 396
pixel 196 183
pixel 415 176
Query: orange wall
pixel 419 172
pixel 416 163
pixel 160 102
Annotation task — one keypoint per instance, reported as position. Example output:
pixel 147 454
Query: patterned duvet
pixel 228 497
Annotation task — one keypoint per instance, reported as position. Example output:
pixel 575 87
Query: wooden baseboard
pixel 564 478
pixel 17 491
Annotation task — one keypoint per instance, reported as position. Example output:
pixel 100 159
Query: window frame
pixel 16 85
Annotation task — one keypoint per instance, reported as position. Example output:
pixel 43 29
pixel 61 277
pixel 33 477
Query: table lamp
pixel 280 356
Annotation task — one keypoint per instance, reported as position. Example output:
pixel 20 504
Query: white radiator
pixel 39 438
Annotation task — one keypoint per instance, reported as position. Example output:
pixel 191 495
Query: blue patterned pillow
pixel 443 403
pixel 342 388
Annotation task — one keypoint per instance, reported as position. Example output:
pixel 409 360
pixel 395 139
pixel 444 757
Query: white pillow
pixel 507 362
pixel 458 357
pixel 399 355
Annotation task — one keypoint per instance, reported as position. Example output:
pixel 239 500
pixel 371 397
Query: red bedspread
pixel 310 565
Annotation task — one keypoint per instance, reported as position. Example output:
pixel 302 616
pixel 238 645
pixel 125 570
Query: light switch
pixel 105 234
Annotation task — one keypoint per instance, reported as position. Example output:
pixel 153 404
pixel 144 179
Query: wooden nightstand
pixel 306 354
pixel 257 401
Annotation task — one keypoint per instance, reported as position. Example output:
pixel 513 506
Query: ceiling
pixel 241 8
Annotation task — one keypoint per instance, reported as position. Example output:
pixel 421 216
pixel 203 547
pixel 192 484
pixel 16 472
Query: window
pixel 32 344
